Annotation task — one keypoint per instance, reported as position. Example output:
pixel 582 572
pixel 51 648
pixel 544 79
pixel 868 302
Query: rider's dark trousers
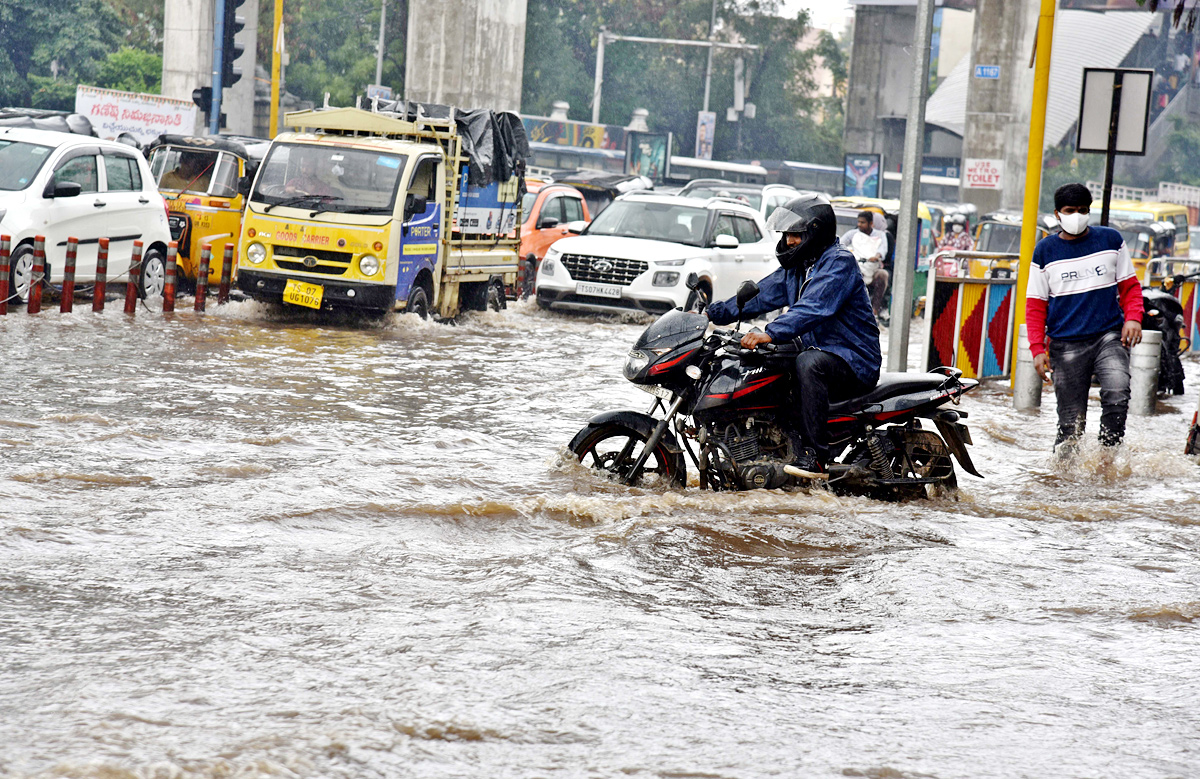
pixel 823 378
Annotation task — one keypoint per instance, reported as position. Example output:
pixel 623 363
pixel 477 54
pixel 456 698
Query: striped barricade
pixel 969 317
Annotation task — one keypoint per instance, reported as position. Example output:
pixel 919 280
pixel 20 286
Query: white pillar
pixel 1143 374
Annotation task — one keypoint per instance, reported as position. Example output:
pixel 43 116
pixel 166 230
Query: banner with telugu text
pixel 146 117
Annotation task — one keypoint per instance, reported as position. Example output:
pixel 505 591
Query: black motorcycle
pixel 724 408
pixel 1162 311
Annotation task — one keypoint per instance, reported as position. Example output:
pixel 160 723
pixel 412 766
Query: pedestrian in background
pixel 1084 295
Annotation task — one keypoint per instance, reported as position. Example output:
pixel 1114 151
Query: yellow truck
pixel 375 211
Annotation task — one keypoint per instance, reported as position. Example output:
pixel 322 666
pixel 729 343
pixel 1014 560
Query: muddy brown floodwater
pixel 243 545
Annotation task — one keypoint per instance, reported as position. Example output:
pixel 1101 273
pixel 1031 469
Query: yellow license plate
pixel 301 294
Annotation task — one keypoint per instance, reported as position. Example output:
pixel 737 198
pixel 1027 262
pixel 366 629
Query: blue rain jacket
pixel 829 309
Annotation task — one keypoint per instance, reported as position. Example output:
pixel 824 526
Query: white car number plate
pixel 599 290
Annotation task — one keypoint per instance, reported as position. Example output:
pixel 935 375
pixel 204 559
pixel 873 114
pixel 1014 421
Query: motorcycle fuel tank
pixel 746 386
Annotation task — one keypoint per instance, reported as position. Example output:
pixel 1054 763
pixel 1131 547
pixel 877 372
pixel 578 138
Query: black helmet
pixel 811 216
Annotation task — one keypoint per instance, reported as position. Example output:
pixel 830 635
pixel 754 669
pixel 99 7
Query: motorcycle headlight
pixel 368 265
pixel 635 363
pixel 256 253
pixel 547 266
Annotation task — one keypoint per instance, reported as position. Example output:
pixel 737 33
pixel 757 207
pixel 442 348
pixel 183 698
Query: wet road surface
pixel 243 544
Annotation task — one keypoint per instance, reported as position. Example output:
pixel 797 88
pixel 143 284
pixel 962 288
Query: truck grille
pixel 603 270
pixel 323 261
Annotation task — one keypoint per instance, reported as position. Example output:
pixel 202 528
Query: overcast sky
pixel 829 14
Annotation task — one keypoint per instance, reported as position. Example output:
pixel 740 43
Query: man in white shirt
pixel 870 246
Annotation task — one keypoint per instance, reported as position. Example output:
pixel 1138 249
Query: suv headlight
pixel 669 262
pixel 368 264
pixel 256 253
pixel 547 266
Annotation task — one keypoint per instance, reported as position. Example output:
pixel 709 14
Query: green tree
pixel 72 36
pixel 1180 163
pixel 132 70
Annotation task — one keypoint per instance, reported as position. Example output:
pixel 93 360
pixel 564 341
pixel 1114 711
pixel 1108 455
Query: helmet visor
pixel 784 221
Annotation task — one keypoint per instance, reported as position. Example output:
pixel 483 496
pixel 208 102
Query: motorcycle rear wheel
pixel 614 448
pixel 923 455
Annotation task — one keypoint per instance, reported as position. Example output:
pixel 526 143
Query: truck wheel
pixel 496 299
pixel 418 302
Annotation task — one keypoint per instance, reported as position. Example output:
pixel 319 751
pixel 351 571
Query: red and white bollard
pixel 226 275
pixel 131 287
pixel 169 278
pixel 35 281
pixel 5 243
pixel 101 288
pixel 68 289
pixel 202 276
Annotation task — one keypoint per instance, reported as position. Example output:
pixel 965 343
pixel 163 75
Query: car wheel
pixel 21 270
pixel 418 302
pixel 154 274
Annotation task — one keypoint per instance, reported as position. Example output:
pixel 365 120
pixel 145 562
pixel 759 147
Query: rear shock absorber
pixel 879 459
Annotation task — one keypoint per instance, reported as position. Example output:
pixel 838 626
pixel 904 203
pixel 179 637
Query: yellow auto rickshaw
pixel 205 180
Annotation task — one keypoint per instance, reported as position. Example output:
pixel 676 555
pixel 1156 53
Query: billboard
pixel 864 174
pixel 145 117
pixel 649 154
pixel 568 133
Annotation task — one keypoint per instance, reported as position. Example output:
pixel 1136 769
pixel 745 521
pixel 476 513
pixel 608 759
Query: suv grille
pixel 603 270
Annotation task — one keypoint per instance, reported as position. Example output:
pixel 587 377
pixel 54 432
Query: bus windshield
pixel 329 178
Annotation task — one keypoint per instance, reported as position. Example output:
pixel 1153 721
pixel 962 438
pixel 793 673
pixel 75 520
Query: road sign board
pixel 987 71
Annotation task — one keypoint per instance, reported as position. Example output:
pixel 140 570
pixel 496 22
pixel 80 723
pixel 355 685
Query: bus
pixel 684 169
pixel 939 189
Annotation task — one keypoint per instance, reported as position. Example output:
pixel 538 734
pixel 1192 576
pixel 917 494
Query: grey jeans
pixel 1074 364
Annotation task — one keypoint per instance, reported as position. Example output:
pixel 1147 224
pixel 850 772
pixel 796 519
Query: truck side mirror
pixel 413 205
pixel 547 222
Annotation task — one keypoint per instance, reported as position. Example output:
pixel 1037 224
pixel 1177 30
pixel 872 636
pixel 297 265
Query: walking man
pixel 1083 295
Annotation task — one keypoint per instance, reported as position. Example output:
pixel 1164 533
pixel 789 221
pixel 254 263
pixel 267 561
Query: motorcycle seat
pixel 890 385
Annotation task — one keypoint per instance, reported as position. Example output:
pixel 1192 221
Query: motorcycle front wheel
pixel 614 448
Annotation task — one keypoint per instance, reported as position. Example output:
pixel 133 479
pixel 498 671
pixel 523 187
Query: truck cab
pixel 362 211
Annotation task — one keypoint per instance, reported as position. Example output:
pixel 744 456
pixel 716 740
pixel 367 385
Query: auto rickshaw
pixel 205 181
pixel 999 232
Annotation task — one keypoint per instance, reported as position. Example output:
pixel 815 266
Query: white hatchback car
pixel 637 255
pixel 60 185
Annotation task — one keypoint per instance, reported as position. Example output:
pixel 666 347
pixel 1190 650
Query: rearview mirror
pixel 746 292
pixel 244 184
pixel 546 222
pixel 693 281
pixel 63 189
pixel 725 242
pixel 576 227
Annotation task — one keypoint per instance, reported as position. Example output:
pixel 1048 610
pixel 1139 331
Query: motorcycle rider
pixel 829 316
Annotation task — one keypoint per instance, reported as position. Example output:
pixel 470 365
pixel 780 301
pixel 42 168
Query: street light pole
pixel 379 56
pixel 708 68
pixel 910 192
pixel 599 76
pixel 276 65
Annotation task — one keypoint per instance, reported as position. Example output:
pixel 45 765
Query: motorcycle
pixel 724 408
pixel 1162 311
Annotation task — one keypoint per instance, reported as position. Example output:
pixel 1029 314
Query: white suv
pixel 637 254
pixel 61 185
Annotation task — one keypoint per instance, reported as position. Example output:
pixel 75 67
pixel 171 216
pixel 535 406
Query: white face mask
pixel 957 228
pixel 1073 223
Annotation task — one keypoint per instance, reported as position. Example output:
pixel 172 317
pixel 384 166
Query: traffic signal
pixel 231 50
pixel 202 97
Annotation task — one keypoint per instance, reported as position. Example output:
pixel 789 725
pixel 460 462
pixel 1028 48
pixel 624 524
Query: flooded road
pixel 236 544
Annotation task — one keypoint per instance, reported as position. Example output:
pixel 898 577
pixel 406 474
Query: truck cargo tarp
pixel 46 120
pixel 495 143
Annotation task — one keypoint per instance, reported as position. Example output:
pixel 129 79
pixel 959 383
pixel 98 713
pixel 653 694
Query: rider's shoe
pixel 806 466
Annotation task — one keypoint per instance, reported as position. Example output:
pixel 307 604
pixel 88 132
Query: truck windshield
pixel 183 169
pixel 19 163
pixel 653 221
pixel 334 177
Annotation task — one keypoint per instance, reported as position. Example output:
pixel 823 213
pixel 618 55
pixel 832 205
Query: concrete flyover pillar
pixel 997 119
pixel 466 53
pixel 880 71
pixel 187 51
